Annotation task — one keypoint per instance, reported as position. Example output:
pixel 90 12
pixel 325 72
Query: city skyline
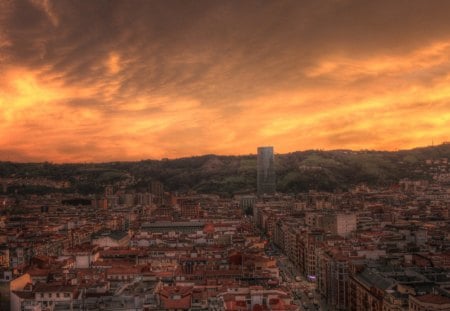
pixel 98 81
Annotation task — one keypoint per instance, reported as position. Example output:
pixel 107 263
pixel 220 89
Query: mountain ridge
pixel 297 171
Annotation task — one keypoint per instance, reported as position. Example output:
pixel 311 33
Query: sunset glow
pixel 131 80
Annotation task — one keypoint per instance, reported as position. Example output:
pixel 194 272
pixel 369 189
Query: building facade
pixel 265 171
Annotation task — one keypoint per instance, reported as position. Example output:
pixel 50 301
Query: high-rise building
pixel 157 189
pixel 265 171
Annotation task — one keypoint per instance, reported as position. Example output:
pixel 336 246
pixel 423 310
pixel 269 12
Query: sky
pixel 95 81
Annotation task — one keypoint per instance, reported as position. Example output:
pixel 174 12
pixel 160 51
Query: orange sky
pixel 130 80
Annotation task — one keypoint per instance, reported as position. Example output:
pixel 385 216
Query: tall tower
pixel 265 171
pixel 157 189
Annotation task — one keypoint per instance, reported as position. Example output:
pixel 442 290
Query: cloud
pixel 46 6
pixel 112 80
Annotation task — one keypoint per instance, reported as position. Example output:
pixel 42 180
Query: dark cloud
pixel 216 51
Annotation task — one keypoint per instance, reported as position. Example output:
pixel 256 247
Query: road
pixel 304 292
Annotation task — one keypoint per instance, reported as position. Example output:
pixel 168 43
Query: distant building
pixel 109 190
pixel 190 208
pixel 157 190
pixel 341 223
pixel 265 171
pixel 246 201
pixel 107 238
pixel 168 226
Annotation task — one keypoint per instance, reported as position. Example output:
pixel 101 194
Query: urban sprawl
pixel 380 249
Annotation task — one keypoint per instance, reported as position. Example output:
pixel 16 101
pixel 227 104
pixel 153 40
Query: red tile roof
pixel 182 303
pixel 434 299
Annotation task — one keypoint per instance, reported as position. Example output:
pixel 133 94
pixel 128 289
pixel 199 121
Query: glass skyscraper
pixel 265 171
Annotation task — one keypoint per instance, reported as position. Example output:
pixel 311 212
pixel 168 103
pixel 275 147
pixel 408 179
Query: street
pixel 304 292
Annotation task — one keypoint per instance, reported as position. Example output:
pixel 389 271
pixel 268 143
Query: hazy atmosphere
pixel 129 80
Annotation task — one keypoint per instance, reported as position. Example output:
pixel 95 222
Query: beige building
pixel 340 223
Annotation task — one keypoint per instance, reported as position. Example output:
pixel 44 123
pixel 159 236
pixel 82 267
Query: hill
pixel 226 175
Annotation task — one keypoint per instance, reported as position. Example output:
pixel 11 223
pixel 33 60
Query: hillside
pixel 227 175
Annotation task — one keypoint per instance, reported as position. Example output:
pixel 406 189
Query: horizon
pixel 229 155
pixel 95 81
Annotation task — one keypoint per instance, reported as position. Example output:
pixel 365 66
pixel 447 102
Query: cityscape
pixel 224 155
pixel 134 247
